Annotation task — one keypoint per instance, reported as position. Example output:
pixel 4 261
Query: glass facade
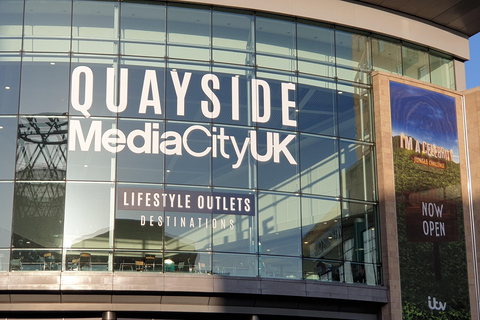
pixel 159 137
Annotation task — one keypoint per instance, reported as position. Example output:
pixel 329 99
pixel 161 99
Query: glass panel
pixel 89 156
pixel 275 171
pixel 319 166
pixel 42 148
pixel 235 94
pixel 316 50
pixel 138 223
pixel 47 25
pixel 387 56
pixel 148 75
pixel 8 138
pixel 279 224
pixel 184 91
pixel 353 56
pixel 354 112
pixel 9 82
pixel 191 262
pixel 38 215
pixel 237 265
pixel 11 21
pixel 235 232
pixel 4 260
pixel 6 199
pixel 188 231
pixel 359 235
pixel 36 260
pixel 95 26
pixel 365 273
pixel 277 100
pixel 317 105
pixel 188 33
pixel 276 45
pixel 415 64
pixel 143 29
pixel 44 87
pixel 233 38
pixel 89 261
pixel 280 267
pixel 443 73
pixel 231 167
pixel 89 215
pixel 141 160
pixel 357 169
pixel 89 86
pixel 323 270
pixel 321 228
pixel 138 261
pixel 188 162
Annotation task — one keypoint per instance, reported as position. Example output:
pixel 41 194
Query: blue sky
pixel 473 66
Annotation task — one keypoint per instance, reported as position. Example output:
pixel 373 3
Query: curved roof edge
pixel 360 16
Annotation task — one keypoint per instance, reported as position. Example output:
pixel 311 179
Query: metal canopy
pixel 459 15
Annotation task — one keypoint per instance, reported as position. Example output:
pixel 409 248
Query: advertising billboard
pixel 433 266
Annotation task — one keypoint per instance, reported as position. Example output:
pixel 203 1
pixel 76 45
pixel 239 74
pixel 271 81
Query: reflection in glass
pixel 363 273
pixel 317 106
pixel 354 112
pixel 88 261
pixel 323 270
pixel 142 30
pixel 145 164
pixel 188 33
pixel 42 148
pixel 47 25
pixel 8 137
pixel 237 265
pixel 189 162
pixel 353 56
pixel 279 224
pixel 321 228
pixel 357 171
pixel 415 63
pixel 98 66
pixel 359 234
pixel 4 260
pixel 36 260
pixel 143 73
pixel 276 45
pixel 233 37
pixel 387 56
pixel 95 26
pixel 319 165
pixel 279 169
pixel 89 215
pixel 136 228
pixel 6 199
pixel 189 231
pixel 88 159
pixel 442 70
pixel 280 267
pixel 235 232
pixel 316 49
pixel 9 82
pixel 44 84
pixel 38 215
pixel 236 170
pixel 11 20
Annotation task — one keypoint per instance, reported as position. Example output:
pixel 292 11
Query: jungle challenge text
pixel 151 141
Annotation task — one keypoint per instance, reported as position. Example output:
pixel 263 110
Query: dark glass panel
pixel 8 138
pixel 9 83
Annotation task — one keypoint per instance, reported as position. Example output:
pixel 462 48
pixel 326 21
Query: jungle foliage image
pixel 433 266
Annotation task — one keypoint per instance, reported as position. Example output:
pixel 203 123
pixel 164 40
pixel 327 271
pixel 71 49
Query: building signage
pixel 433 269
pixel 150 141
